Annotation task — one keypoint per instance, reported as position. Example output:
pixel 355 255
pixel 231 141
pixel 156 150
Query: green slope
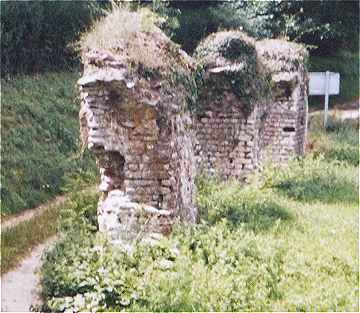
pixel 40 139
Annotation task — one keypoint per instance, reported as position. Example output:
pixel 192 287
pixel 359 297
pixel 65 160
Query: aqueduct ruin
pixel 155 117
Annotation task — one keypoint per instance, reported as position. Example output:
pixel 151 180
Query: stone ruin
pixel 252 105
pixel 152 126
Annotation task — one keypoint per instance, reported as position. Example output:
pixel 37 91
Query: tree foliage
pixel 322 25
pixel 35 34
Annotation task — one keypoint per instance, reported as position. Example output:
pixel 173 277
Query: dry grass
pixel 280 55
pixel 135 33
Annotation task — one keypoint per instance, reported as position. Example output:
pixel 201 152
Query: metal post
pixel 327 82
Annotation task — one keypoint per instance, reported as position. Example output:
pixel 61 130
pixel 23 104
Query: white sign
pixel 317 83
pixel 324 84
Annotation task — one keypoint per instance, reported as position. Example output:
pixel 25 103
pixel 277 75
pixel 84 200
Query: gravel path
pixel 13 220
pixel 19 288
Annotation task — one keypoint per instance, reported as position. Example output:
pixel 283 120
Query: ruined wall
pixel 227 140
pixel 285 118
pixel 229 106
pixel 150 139
pixel 252 103
pixel 141 135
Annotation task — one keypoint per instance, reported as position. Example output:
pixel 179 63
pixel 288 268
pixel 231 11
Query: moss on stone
pixel 233 61
pixel 227 47
pixel 230 62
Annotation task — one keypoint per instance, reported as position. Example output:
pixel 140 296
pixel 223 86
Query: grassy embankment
pixel 347 64
pixel 40 156
pixel 287 241
pixel 40 140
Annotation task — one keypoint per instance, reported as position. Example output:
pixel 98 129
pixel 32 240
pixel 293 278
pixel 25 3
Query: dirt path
pixel 13 220
pixel 19 288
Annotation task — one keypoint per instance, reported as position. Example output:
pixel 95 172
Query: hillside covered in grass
pixel 287 241
pixel 40 139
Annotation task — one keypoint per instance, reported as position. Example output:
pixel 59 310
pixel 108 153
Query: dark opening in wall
pixel 283 90
pixel 112 163
pixel 160 201
pixel 289 129
pixel 263 117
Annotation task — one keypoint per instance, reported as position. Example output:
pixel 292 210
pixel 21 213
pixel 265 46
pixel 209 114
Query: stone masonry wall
pixel 285 118
pixel 149 145
pixel 142 139
pixel 231 141
pixel 227 140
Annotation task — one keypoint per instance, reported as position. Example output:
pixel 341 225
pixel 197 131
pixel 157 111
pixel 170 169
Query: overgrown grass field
pixel 40 139
pixel 287 241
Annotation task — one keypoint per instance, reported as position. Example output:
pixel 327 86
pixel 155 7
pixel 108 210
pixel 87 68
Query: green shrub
pixel 86 273
pixel 40 140
pixel 205 268
pixel 313 179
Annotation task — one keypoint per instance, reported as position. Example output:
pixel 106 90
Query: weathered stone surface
pixel 135 121
pixel 149 145
pixel 231 141
pixel 125 220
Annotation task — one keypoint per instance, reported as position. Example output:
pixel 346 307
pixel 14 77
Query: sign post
pixel 326 109
pixel 324 83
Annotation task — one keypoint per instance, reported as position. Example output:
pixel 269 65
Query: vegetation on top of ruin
pixel 280 55
pixel 119 31
pixel 134 38
pixel 233 55
pixel 227 47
